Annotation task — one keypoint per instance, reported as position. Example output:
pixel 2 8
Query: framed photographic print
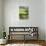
pixel 23 12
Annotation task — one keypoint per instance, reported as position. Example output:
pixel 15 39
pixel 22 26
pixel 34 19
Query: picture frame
pixel 23 12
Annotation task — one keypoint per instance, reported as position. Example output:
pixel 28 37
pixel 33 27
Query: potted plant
pixel 2 37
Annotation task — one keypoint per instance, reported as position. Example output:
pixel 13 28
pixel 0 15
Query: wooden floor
pixel 40 42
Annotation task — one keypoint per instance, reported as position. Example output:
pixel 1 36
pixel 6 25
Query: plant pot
pixel 3 41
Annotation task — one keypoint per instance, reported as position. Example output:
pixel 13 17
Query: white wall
pixel 45 19
pixel 0 12
pixel 0 18
pixel 36 15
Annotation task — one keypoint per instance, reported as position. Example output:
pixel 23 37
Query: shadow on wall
pixel 1 34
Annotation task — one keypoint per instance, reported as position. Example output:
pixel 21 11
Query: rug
pixel 23 45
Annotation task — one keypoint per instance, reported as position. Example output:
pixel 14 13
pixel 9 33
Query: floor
pixel 21 45
pixel 25 43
